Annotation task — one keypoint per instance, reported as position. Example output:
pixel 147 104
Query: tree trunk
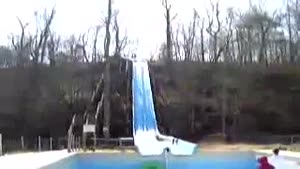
pixel 107 78
pixel 250 45
pixel 263 44
pixel 233 50
pixel 224 108
pixel 193 120
pixel 296 32
pixel 238 46
pixel 106 94
pixel 215 47
pixel 202 44
pixel 168 32
pixel 291 53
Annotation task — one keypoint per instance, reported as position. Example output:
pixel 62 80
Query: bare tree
pixel 189 38
pixel 74 50
pixel 94 55
pixel 228 52
pixel 264 32
pixel 162 52
pixel 289 25
pixel 292 21
pixel 243 43
pixel 53 46
pixel 120 43
pixel 177 44
pixel 296 29
pixel 202 41
pixel 117 37
pixel 214 32
pixel 219 38
pixel 39 43
pixel 21 44
pixel 168 18
pixel 81 45
pixel 70 52
pixel 107 30
pixel 254 32
pixel 7 57
pixel 245 36
pixel 249 41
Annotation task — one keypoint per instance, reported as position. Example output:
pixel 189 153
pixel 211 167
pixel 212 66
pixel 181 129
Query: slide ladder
pixel 147 137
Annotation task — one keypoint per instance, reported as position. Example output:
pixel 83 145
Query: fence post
pixel 95 140
pixel 39 143
pixel 84 141
pixel 120 142
pixel 22 143
pixel 69 143
pixel 292 139
pixel 1 144
pixel 73 142
pixel 79 142
pixel 51 144
pixel 75 145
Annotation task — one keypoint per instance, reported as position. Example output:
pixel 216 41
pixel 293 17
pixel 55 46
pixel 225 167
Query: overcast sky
pixel 143 19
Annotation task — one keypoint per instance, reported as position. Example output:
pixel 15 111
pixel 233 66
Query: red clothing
pixel 264 164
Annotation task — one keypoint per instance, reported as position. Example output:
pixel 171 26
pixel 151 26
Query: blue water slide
pixel 147 137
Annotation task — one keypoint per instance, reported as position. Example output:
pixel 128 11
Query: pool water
pixel 133 161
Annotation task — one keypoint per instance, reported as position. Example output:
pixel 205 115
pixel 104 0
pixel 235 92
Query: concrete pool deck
pixel 40 159
pixel 287 154
pixel 32 160
pixel 291 160
pixel 36 160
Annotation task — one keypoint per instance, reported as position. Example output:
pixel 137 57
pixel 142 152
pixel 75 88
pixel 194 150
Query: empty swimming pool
pixel 230 160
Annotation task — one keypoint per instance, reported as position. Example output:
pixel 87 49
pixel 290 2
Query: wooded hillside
pixel 258 99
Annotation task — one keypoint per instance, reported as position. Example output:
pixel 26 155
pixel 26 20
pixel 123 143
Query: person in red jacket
pixel 264 164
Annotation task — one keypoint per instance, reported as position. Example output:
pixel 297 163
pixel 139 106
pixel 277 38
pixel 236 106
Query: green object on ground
pixel 153 165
